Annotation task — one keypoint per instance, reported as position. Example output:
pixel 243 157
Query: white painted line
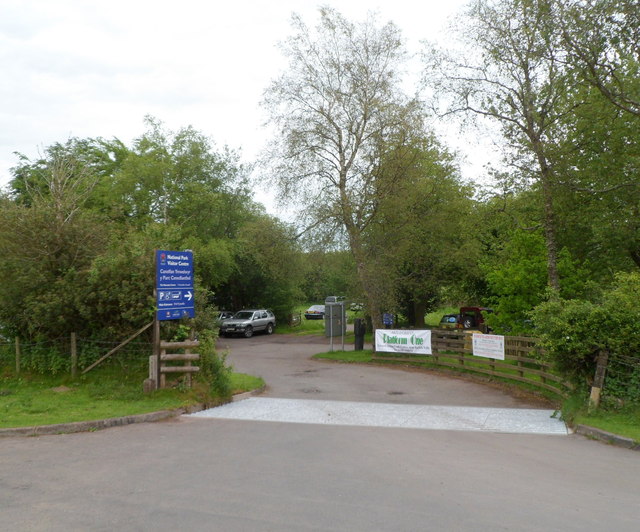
pixel 506 420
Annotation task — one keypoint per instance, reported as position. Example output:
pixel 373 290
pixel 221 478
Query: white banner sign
pixel 488 346
pixel 401 341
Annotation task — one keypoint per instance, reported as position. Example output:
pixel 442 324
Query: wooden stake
pixel 17 356
pixel 598 380
pixel 74 356
pixel 156 349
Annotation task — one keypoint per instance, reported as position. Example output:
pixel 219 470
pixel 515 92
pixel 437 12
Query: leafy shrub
pixel 574 331
pixel 518 280
pixel 213 368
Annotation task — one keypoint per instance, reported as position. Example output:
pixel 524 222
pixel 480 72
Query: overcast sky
pixel 95 68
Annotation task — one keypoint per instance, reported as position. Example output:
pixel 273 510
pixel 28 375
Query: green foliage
pixel 328 273
pixel 48 244
pixel 213 369
pixel 517 280
pixel 573 331
pixel 424 242
pixel 81 225
pixel 268 269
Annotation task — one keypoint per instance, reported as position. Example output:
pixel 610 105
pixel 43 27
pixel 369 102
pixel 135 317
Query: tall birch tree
pixel 338 111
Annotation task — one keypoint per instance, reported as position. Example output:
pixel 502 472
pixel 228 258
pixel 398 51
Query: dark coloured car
pixel 224 315
pixel 246 322
pixel 449 321
pixel 469 318
pixel 473 318
pixel 315 312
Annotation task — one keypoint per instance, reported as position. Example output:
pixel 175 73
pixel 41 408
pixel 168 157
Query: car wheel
pixel 248 332
pixel 269 328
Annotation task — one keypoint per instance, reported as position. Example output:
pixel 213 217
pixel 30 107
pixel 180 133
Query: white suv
pixel 246 322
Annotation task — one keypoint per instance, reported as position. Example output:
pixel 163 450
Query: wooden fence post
pixel 156 349
pixel 598 380
pixel 74 356
pixel 17 355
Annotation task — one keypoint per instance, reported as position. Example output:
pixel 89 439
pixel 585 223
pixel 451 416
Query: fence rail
pixel 70 354
pixel 523 361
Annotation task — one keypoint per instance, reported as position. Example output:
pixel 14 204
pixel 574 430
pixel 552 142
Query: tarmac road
pixel 290 373
pixel 194 473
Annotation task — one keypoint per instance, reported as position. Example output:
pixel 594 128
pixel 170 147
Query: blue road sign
pixel 175 297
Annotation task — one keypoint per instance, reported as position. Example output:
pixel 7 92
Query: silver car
pixel 246 322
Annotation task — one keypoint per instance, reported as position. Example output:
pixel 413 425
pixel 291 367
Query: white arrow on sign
pixel 188 296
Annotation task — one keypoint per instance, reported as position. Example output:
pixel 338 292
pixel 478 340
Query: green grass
pixel 432 319
pixel 241 382
pixel 307 327
pixel 36 400
pixel 361 357
pixel 623 423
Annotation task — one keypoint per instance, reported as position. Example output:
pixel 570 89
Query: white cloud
pixel 96 68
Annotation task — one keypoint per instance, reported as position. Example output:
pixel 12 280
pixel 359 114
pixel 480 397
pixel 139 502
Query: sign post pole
pixel 156 325
pixel 156 349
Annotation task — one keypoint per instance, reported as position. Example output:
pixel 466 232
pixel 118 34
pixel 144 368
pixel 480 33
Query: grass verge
pixel 30 400
pixel 306 326
pixel 241 382
pixel 625 422
pixel 361 357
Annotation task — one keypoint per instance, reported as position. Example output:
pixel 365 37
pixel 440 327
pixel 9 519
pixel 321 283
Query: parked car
pixel 473 318
pixel 246 322
pixel 224 315
pixel 449 321
pixel 314 312
pixel 468 318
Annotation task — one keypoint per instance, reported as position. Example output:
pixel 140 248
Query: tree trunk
pixel 550 236
pixel 367 284
pixel 419 309
pixel 549 221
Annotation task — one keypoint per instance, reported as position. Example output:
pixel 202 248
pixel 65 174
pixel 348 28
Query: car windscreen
pixel 243 315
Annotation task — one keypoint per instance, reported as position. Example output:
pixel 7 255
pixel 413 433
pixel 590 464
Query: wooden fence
pixel 179 362
pixel 523 362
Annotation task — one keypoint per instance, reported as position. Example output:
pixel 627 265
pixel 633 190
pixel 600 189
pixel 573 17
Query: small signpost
pixel 174 294
pixel 174 285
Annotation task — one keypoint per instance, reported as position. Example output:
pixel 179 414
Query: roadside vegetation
pixel 31 399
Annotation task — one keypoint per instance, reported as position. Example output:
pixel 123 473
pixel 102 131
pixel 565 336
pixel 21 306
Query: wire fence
pixel 60 355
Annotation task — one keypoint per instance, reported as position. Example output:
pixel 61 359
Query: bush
pixel 517 279
pixel 574 331
pixel 213 368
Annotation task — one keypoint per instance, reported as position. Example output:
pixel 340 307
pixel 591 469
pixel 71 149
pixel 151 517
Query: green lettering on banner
pixel 393 340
